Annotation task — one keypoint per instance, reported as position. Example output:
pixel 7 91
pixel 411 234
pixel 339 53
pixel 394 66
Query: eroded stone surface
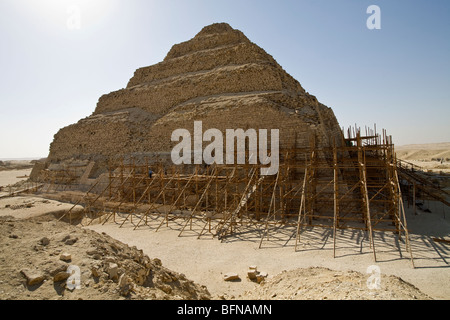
pixel 219 77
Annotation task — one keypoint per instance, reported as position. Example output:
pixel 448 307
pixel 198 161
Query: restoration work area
pixel 214 175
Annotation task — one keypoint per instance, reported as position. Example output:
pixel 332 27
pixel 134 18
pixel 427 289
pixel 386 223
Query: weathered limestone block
pixel 231 276
pixel 252 272
pixel 113 271
pixel 67 257
pixel 261 276
pixel 33 277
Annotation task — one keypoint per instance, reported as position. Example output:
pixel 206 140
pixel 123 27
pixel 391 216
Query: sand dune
pixel 424 152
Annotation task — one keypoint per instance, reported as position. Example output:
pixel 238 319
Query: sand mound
pixel 38 256
pixel 323 283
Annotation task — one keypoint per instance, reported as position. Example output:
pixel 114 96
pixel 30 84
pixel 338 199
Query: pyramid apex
pixel 216 28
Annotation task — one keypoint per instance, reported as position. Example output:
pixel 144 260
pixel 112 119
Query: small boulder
pixel 71 241
pixel 165 288
pixel 44 241
pixel 65 257
pixel 113 271
pixel 125 285
pixel 92 252
pixel 95 271
pixel 33 277
pixel 157 262
pixel 231 277
pixel 252 272
pixel 261 276
pixel 61 276
pixel 56 267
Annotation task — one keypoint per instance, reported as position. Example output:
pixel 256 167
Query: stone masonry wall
pixel 220 78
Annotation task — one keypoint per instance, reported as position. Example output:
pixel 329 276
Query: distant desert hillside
pixel 424 152
pixel 7 165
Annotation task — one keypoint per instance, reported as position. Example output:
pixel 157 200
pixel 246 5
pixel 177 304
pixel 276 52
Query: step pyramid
pixel 218 77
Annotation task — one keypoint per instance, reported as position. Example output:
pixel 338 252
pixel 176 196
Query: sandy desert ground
pixel 206 260
pixel 432 156
pixel 11 177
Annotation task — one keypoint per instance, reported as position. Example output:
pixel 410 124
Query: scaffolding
pixel 417 185
pixel 58 179
pixel 353 184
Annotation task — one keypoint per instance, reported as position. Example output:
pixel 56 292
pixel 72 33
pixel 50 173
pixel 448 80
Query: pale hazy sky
pixel 53 74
